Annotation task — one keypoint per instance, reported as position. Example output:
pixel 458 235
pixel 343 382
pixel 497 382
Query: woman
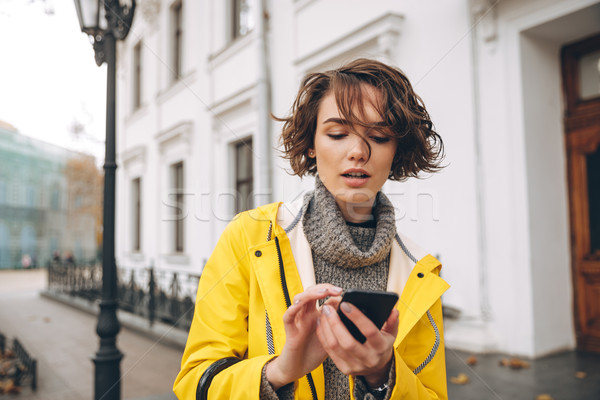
pixel 265 324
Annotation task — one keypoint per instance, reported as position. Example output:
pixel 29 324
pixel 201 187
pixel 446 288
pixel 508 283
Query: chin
pixel 359 198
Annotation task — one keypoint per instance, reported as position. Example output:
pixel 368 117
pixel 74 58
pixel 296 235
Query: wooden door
pixel 581 83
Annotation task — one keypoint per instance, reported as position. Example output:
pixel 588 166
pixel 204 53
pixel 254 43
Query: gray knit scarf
pixel 331 239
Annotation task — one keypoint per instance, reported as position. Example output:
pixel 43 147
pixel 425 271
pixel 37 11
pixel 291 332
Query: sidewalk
pixel 63 340
pixel 565 376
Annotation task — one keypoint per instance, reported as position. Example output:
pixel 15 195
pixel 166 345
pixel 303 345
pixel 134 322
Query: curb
pixel 162 333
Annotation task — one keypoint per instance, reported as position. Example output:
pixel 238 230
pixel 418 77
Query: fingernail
pixel 337 290
pixel 327 310
pixel 346 307
pixel 323 290
pixel 296 301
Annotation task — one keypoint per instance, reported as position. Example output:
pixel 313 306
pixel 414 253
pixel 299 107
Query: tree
pixel 85 182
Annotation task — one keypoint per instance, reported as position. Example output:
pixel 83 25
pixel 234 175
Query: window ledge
pixel 136 114
pixel 177 258
pixel 381 32
pixel 136 256
pixel 230 49
pixel 176 86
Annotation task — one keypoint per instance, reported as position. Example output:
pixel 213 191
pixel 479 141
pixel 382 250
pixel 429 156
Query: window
pixel 136 213
pixel 2 192
pixel 243 175
pixel 178 188
pixel 176 40
pixel 30 196
pixel 242 18
pixel 137 76
pixel 5 261
pixel 55 199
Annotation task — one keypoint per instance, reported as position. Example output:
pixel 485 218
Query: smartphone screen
pixel 377 305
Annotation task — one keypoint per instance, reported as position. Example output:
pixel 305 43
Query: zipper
pixel 286 294
pixel 288 303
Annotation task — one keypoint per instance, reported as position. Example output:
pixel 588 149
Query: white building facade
pixel 197 80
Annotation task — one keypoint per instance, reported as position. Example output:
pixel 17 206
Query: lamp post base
pixel 107 375
pixel 107 360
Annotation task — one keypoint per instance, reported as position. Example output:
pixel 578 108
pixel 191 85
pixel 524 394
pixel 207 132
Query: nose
pixel 359 150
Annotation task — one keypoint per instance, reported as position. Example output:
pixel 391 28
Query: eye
pixel 337 135
pixel 380 139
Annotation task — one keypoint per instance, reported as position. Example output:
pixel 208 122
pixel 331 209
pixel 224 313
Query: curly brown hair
pixel 403 116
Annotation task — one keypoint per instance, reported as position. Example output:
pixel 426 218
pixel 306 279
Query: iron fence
pixel 17 367
pixel 27 369
pixel 157 295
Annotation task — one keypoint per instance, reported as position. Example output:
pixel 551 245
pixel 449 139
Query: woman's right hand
pixel 302 351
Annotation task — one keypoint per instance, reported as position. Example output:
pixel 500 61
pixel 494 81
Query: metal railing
pixel 157 295
pixel 18 367
pixel 27 369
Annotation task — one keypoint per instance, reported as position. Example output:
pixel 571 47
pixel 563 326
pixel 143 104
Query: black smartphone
pixel 377 305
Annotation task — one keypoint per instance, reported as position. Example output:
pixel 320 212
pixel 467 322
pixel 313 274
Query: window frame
pixel 137 76
pixel 243 204
pixel 176 40
pixel 177 170
pixel 235 26
pixel 136 213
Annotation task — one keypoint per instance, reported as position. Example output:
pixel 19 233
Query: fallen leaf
pixel 461 379
pixel 515 363
pixel 580 374
pixel 544 397
pixel 11 387
pixel 472 360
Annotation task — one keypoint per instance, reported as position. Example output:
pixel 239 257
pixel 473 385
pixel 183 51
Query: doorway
pixel 581 86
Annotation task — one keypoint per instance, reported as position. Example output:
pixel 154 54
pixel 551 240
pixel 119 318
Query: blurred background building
pixel 512 86
pixel 48 202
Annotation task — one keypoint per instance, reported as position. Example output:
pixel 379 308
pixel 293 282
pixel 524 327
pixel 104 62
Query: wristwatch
pixel 380 389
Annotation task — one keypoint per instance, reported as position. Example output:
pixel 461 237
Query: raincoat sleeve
pixel 218 336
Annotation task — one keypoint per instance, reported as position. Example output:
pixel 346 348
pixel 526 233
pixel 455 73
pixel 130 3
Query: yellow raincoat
pixel 261 261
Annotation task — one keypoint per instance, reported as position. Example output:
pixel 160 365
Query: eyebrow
pixel 339 121
pixel 342 121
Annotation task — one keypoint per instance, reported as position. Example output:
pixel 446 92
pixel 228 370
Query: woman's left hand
pixel 371 359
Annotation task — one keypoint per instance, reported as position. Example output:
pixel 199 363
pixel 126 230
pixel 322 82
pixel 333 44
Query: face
pixel 342 157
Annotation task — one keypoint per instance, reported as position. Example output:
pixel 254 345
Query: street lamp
pixel 107 21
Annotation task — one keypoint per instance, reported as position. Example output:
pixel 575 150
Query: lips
pixel 355 173
pixel 355 177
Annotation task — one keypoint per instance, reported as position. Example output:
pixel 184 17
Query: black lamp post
pixel 107 21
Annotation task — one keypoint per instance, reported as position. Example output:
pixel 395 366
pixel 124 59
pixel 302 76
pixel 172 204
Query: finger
pixel 362 322
pixel 324 331
pixel 298 312
pixel 334 302
pixel 342 358
pixel 344 338
pixel 317 292
pixel 392 323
